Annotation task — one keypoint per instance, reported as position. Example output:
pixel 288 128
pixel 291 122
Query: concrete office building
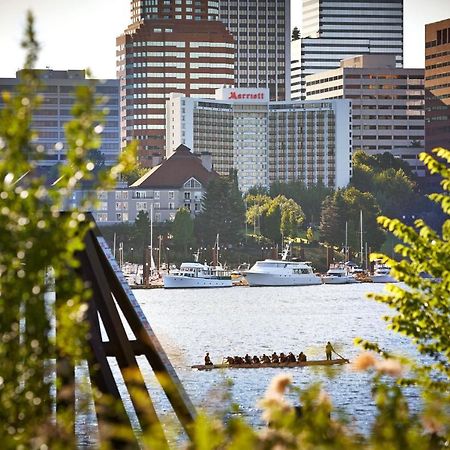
pixel 265 141
pixel 437 84
pixel 171 46
pixel 58 97
pixel 261 29
pixel 334 30
pixel 387 104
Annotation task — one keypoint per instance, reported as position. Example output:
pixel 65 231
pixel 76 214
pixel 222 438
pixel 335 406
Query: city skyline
pixel 65 45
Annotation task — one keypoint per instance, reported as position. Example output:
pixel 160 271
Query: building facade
pixel 387 104
pixel 335 30
pixel 261 29
pixel 58 97
pixel 437 84
pixel 265 141
pixel 175 46
pixel 179 182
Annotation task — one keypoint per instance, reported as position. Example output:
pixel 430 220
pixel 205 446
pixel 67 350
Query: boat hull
pixel 338 280
pixel 383 279
pixel 267 279
pixel 289 365
pixel 182 282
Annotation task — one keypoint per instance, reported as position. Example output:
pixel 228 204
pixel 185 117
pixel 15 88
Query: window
pixel 171 195
pixel 171 205
pixel 156 206
pixel 141 206
pixel 187 195
pixel 156 195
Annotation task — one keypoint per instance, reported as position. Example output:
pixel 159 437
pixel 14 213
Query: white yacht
pixel 272 272
pixel 196 275
pixel 338 274
pixel 382 274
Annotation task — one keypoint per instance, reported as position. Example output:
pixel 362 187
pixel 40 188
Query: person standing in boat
pixel 208 360
pixel 329 350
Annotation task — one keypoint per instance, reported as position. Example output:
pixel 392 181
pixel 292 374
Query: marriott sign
pixel 242 94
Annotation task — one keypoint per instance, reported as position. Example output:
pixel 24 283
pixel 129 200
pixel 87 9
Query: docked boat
pixel 382 274
pixel 273 272
pixel 197 275
pixel 287 365
pixel 338 274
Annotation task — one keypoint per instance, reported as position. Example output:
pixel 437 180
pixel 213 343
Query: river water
pixel 240 320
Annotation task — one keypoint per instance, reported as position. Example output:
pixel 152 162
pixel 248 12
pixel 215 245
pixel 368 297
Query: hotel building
pixel 387 104
pixel 265 141
pixel 335 30
pixel 171 46
pixel 437 84
pixel 261 30
pixel 58 97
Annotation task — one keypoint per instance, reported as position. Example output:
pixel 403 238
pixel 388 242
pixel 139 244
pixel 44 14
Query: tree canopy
pixel 223 212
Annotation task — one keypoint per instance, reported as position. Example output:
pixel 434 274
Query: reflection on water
pixel 244 320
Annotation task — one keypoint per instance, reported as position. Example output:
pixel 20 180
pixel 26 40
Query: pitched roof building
pixel 176 170
pixel 179 181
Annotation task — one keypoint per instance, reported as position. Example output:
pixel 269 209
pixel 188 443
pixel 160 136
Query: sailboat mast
pixel 346 242
pixel 362 247
pixel 151 235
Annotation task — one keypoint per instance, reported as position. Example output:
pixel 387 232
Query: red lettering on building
pixel 245 96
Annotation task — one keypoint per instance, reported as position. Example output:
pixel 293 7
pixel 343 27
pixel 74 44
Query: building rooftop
pixel 175 171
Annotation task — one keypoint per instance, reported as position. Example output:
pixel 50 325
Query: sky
pixel 82 34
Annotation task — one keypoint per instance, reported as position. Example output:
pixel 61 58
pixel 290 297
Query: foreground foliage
pixel 35 235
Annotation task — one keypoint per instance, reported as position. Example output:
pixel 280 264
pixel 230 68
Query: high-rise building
pixel 265 141
pixel 437 84
pixel 334 30
pixel 171 46
pixel 261 29
pixel 58 97
pixel 387 104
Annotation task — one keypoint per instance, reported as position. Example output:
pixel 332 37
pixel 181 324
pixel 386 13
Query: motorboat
pixel 273 272
pixel 382 274
pixel 338 274
pixel 197 275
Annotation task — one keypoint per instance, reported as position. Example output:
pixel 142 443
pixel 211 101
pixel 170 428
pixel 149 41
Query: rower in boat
pixel 208 360
pixel 275 358
pixel 265 359
pixel 301 357
pixel 291 357
pixel 256 360
pixel 247 359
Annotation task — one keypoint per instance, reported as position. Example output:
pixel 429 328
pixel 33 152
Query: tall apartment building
pixel 58 97
pixel 265 141
pixel 335 30
pixel 261 29
pixel 387 104
pixel 171 46
pixel 437 84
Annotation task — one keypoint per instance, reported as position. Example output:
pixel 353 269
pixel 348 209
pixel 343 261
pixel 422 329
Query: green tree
pixel 223 212
pixel 182 230
pixel 134 174
pixel 344 206
pixel 422 307
pixel 310 198
pixel 274 217
pixel 42 238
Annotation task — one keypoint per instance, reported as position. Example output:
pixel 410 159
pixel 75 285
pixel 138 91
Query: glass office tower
pixel 335 30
